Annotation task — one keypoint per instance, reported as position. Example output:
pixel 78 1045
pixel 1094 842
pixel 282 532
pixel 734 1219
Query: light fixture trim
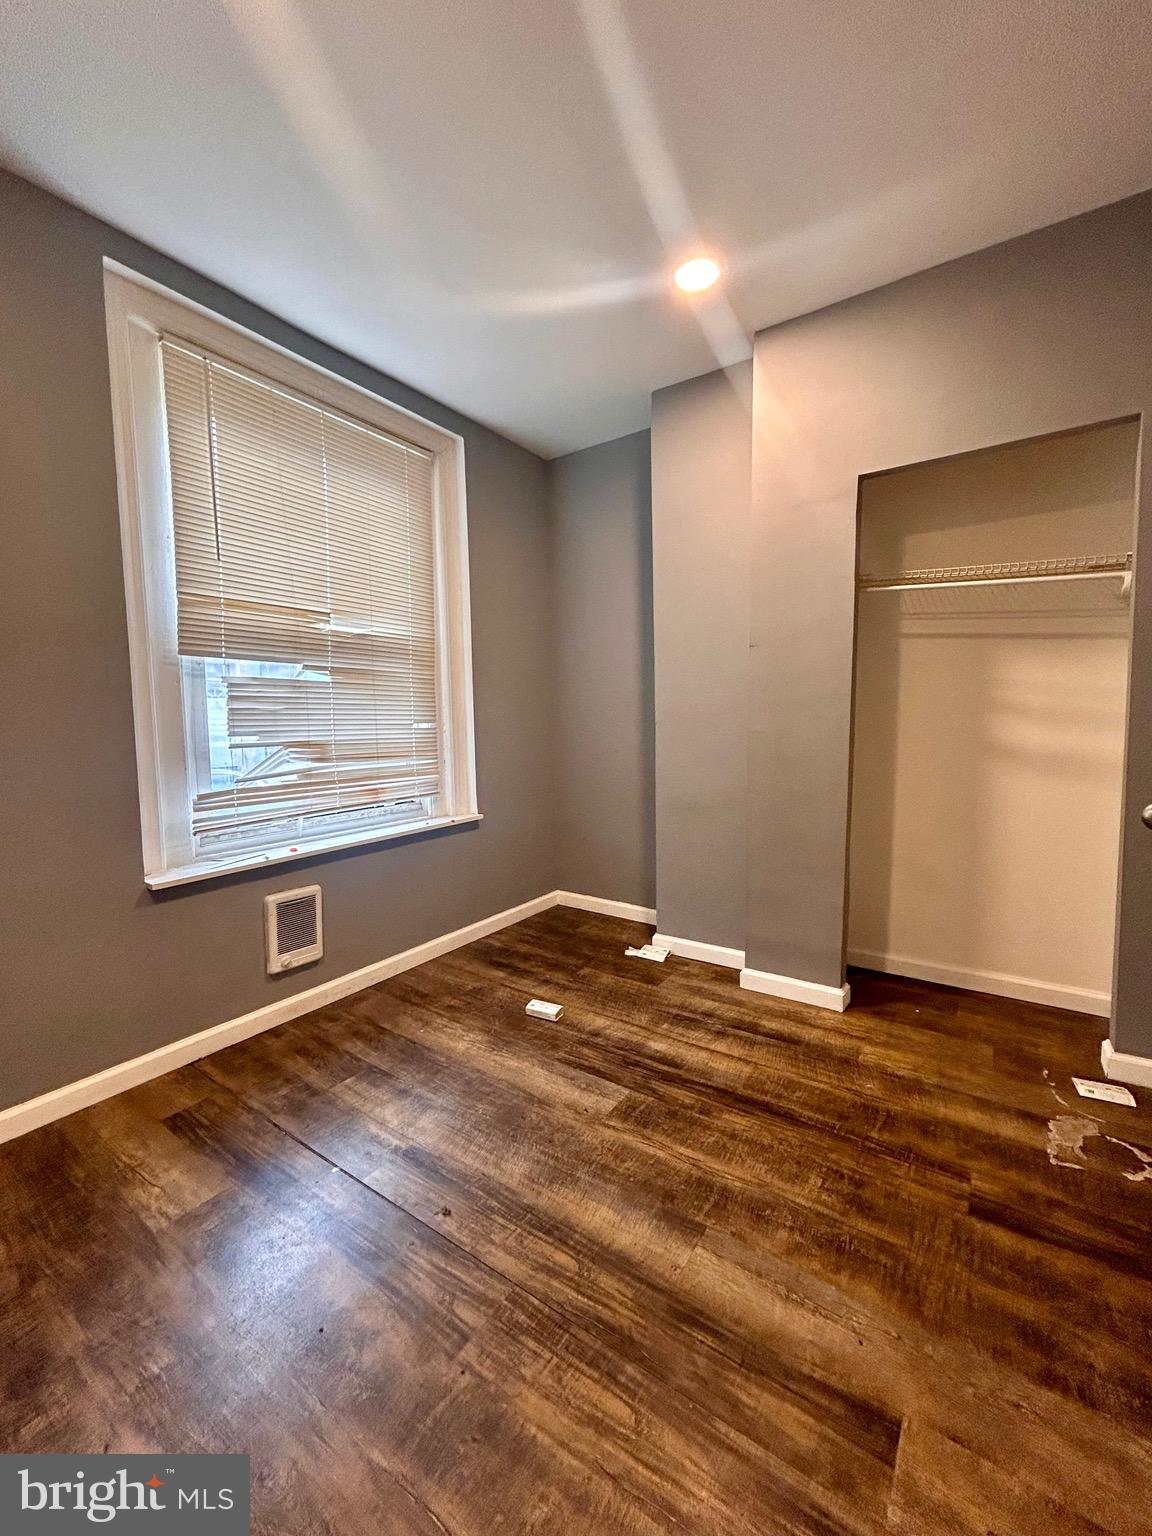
pixel 697 274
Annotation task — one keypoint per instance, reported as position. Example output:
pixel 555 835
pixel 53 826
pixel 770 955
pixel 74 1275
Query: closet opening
pixel 989 716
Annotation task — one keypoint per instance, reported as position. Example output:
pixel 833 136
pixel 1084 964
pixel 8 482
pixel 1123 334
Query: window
pixel 296 572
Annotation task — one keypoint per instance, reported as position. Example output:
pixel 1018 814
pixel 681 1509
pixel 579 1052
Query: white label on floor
pixel 1112 1092
pixel 649 952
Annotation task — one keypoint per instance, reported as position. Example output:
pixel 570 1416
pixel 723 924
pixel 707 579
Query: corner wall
pixel 93 969
pixel 1035 336
pixel 602 581
pixel 1046 333
pixel 701 463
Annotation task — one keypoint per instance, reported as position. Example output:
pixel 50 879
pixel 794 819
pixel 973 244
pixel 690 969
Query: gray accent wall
pixel 93 969
pixel 1036 336
pixel 755 599
pixel 663 666
pixel 605 776
pixel 701 462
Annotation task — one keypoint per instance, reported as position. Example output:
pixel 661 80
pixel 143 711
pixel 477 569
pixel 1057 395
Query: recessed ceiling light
pixel 696 275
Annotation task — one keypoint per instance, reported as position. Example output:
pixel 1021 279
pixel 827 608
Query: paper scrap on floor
pixel 1113 1093
pixel 649 952
pixel 539 1009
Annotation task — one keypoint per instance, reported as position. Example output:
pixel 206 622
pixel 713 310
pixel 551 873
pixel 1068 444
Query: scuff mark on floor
pixel 1066 1137
pixel 1144 1171
pixel 1056 1094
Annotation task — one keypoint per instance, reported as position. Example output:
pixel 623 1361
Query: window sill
pixel 231 864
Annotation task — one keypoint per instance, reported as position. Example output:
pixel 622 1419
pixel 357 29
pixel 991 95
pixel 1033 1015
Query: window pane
pixel 228 760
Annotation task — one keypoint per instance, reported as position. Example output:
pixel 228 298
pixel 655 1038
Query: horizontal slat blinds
pixel 304 542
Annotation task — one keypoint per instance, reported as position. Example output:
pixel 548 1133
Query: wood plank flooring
pixel 687 1260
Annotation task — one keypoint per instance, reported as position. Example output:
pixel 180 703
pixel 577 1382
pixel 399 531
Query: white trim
pixel 601 904
pixel 796 991
pixel 1023 988
pixel 210 869
pixel 414 428
pixel 139 310
pixel 20 1118
pixel 1120 1067
pixel 141 1069
pixel 696 949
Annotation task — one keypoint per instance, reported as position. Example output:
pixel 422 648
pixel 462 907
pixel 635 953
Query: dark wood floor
pixel 688 1260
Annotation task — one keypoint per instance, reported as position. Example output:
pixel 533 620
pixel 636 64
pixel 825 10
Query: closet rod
pixel 1004 573
pixel 988 581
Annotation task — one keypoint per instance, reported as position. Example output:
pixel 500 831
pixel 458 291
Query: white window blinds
pixel 305 591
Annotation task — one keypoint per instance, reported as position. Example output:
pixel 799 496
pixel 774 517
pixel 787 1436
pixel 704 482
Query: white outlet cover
pixel 1112 1093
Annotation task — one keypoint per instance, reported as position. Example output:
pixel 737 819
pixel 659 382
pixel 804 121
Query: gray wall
pixel 602 547
pixel 93 969
pixel 701 446
pixel 752 700
pixel 1034 336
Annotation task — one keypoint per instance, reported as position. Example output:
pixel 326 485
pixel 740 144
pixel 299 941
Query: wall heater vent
pixel 293 928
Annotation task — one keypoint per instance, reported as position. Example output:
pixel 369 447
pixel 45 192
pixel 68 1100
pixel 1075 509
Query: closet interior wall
pixel 989 723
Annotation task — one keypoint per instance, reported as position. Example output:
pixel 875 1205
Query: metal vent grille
pixel 295 924
pixel 293 928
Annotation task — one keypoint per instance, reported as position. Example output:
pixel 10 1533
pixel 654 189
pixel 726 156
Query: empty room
pixel 577 631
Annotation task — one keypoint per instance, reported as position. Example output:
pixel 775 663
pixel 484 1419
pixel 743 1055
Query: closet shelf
pixel 1071 568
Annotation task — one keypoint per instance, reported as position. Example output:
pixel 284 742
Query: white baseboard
pixel 1120 1067
pixel 21 1118
pixel 626 909
pixel 797 991
pixel 696 949
pixel 1023 988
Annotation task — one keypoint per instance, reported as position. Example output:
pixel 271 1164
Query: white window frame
pixel 138 312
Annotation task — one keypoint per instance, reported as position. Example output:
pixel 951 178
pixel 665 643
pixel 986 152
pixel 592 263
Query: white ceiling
pixel 483 197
